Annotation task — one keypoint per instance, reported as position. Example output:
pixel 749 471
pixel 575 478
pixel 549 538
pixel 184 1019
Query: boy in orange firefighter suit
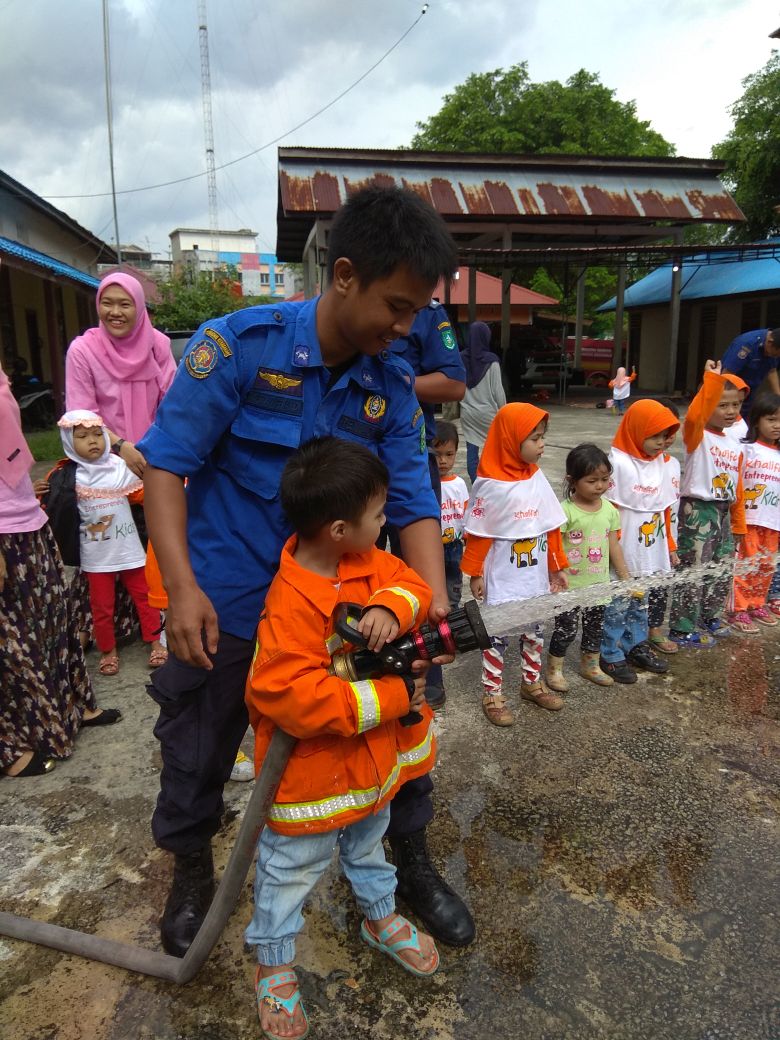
pixel 352 752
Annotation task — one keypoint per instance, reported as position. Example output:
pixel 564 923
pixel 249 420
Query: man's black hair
pixel 445 431
pixel 582 460
pixel 382 229
pixel 765 404
pixel 330 479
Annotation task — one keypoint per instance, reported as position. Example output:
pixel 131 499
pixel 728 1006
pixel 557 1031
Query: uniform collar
pixel 323 593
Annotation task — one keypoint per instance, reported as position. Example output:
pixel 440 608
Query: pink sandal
pixel 109 665
pixel 158 657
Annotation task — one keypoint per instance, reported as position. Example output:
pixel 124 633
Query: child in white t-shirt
pixel 454 500
pixel 109 546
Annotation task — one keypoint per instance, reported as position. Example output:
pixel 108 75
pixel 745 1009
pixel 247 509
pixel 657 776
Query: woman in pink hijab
pixel 621 388
pixel 122 368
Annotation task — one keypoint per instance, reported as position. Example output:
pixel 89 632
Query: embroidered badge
pixel 743 352
pixel 368 379
pixel 374 408
pixel 224 349
pixel 423 445
pixel 447 335
pixel 301 355
pixel 201 359
pixel 417 415
pixel 280 382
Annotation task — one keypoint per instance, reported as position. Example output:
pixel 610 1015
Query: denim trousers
pixel 625 626
pixel 288 868
pixel 774 589
pixel 472 460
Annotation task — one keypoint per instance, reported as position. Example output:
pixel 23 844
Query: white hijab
pixel 108 473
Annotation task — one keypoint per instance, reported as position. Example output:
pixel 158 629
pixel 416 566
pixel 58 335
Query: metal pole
pixel 110 120
pixel 617 348
pixel 579 318
pixel 472 295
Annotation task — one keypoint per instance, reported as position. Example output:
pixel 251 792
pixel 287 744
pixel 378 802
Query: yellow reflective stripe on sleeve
pixel 333 642
pixel 367 701
pixel 412 757
pixel 410 598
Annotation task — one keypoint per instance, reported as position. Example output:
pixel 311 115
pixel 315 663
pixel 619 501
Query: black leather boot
pixel 188 901
pixel 423 889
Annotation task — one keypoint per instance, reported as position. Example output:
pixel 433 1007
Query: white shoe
pixel 243 768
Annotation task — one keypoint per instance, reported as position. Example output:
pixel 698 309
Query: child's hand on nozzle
pixel 417 697
pixel 477 585
pixel 379 626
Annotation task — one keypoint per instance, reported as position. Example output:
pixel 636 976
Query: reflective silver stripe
pixel 410 598
pixel 367 704
pixel 324 809
pixel 333 642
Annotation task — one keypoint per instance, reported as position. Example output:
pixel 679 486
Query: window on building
pixel 772 314
pixel 265 278
pixel 707 322
pixel 751 315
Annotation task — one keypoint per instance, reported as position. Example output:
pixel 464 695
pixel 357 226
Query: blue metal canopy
pixel 32 256
pixel 705 277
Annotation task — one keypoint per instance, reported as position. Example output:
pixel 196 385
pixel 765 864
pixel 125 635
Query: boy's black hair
pixel 581 461
pixel 330 479
pixel 445 431
pixel 667 402
pixel 382 229
pixel 765 404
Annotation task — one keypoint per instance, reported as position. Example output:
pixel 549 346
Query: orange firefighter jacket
pixel 352 754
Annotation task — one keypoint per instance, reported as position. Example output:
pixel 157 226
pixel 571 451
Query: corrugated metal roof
pixel 727 276
pixel 32 256
pixel 520 190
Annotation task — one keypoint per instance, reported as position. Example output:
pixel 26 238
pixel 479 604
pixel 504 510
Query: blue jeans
pixel 620 404
pixel 625 626
pixel 288 869
pixel 472 460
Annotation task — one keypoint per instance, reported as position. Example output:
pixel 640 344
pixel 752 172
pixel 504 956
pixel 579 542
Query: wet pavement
pixel 620 858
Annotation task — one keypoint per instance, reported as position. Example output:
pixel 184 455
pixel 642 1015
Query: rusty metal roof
pixel 622 197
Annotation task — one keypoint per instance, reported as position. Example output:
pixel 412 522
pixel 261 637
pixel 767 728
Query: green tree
pixel 187 300
pixel 752 153
pixel 503 111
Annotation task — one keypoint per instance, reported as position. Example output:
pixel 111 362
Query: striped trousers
pixel 531 646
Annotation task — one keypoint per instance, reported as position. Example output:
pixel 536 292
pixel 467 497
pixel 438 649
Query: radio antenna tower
pixel 208 126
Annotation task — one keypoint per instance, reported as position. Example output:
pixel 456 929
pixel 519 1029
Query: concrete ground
pixel 620 858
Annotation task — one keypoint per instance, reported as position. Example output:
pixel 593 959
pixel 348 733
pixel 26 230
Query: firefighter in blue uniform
pixel 431 350
pixel 754 357
pixel 251 388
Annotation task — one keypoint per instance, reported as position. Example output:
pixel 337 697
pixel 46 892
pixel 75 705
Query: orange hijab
pixel 642 420
pixel 500 458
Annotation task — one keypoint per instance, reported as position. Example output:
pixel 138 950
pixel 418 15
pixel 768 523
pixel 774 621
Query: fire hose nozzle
pixel 461 631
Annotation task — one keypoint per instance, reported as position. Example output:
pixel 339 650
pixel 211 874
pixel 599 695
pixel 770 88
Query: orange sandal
pixel 158 657
pixel 109 665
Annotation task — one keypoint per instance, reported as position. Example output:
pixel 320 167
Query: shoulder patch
pixel 447 335
pixel 224 349
pixel 200 361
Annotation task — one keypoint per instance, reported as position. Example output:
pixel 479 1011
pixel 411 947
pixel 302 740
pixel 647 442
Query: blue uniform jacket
pixel 431 347
pixel 745 357
pixel 250 389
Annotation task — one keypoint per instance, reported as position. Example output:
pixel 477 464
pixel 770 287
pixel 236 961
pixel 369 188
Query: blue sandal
pixel 266 995
pixel 697 640
pixel 386 943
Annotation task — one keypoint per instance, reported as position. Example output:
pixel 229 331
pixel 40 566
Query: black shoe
pixel 422 888
pixel 621 671
pixel 188 901
pixel 643 656
pixel 435 696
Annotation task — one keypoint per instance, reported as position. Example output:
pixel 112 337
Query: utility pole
pixel 208 127
pixel 110 122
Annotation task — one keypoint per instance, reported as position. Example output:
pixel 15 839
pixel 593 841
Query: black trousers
pixel 202 721
pixel 566 626
pixel 656 606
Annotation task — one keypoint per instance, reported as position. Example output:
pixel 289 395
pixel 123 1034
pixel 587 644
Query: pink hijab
pixel 133 362
pixel 15 457
pixel 620 378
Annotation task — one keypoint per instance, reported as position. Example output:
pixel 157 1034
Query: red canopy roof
pixel 489 291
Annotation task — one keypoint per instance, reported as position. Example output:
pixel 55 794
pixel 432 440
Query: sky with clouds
pixel 275 64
